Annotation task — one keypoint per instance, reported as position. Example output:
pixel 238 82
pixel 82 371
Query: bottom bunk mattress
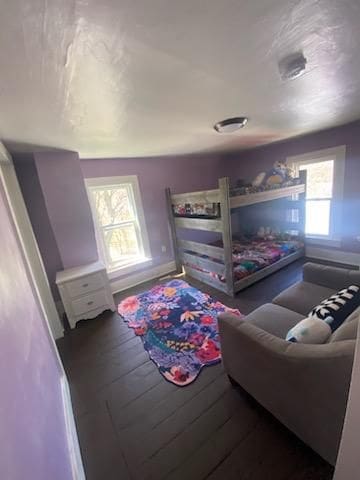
pixel 252 255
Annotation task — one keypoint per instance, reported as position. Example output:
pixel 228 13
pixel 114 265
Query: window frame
pixel 337 154
pixel 132 183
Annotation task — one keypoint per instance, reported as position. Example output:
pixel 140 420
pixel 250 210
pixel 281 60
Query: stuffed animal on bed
pixel 278 175
pixel 268 233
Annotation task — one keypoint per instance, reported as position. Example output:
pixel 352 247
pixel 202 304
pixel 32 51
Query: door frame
pixel 28 242
pixel 42 294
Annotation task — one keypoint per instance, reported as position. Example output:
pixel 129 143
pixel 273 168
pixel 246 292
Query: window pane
pixel 319 179
pixel 317 217
pixel 113 205
pixel 121 243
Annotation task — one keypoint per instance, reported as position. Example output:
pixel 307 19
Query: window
pixel 324 191
pixel 119 221
pixel 319 193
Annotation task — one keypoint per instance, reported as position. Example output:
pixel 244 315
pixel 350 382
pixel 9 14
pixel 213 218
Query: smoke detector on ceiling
pixel 230 125
pixel 292 66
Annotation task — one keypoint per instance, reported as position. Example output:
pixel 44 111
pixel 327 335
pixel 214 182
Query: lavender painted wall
pixel 35 203
pixel 247 164
pixel 70 217
pixel 181 174
pixel 32 434
pixel 68 207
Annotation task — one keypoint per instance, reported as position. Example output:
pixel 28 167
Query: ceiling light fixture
pixel 292 66
pixel 230 125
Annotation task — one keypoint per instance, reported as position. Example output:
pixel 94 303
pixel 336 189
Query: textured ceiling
pixel 140 77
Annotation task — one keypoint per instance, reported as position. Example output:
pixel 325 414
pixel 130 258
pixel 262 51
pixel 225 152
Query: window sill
pixel 325 241
pixel 134 266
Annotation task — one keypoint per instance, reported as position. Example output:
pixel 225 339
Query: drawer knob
pixel 90 303
pixel 85 285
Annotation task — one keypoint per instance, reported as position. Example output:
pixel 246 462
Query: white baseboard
pixel 332 255
pixel 71 433
pixel 141 277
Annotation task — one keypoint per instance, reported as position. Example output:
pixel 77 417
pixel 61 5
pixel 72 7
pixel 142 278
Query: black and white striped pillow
pixel 338 307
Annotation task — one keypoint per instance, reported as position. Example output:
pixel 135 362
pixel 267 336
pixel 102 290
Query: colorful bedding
pixel 252 255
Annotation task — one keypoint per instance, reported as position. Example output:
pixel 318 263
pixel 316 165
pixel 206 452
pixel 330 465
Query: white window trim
pixel 137 263
pixel 338 154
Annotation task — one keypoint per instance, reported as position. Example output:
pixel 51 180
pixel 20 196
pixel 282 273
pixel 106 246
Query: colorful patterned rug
pixel 178 326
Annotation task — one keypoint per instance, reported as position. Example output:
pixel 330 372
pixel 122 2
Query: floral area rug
pixel 178 326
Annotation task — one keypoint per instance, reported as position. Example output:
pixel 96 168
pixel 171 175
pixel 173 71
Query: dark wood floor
pixel 132 424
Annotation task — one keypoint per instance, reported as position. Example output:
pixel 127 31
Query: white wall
pixel 348 464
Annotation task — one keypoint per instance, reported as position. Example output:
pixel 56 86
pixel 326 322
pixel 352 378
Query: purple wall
pixel 35 204
pixel 32 434
pixel 66 231
pixel 68 207
pixel 247 164
pixel 181 174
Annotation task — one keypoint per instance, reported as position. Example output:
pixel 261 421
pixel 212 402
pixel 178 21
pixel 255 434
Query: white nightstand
pixel 85 292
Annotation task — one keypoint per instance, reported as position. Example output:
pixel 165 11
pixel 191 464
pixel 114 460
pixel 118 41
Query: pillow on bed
pixel 310 330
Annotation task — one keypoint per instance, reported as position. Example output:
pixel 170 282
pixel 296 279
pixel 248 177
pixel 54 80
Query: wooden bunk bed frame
pixel 222 225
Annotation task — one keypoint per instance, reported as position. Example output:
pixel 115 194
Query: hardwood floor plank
pixel 174 401
pixel 125 383
pixel 269 452
pixel 135 412
pixel 117 353
pixel 88 351
pixel 214 449
pixel 312 470
pixel 95 379
pixel 131 386
pixel 92 367
pixel 176 452
pixel 175 424
pixel 100 447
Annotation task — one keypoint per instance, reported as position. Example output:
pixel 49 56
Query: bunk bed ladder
pixel 172 226
pixel 224 188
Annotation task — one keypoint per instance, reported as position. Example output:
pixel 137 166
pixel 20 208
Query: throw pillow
pixel 337 307
pixel 310 330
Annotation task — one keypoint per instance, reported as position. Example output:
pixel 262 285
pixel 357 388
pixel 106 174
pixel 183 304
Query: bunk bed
pixel 232 262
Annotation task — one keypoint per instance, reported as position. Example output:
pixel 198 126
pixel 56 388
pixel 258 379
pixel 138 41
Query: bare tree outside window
pixel 117 222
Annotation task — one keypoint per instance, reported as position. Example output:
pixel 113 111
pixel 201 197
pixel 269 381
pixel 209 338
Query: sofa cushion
pixel 302 297
pixel 338 307
pixel 348 330
pixel 331 277
pixel 274 319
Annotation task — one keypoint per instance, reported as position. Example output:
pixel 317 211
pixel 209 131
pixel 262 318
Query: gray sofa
pixel 304 386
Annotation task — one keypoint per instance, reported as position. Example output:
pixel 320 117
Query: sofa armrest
pixel 331 277
pixel 280 349
pixel 304 386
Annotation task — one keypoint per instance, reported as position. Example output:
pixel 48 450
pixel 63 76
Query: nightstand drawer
pixel 83 285
pixel 89 302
